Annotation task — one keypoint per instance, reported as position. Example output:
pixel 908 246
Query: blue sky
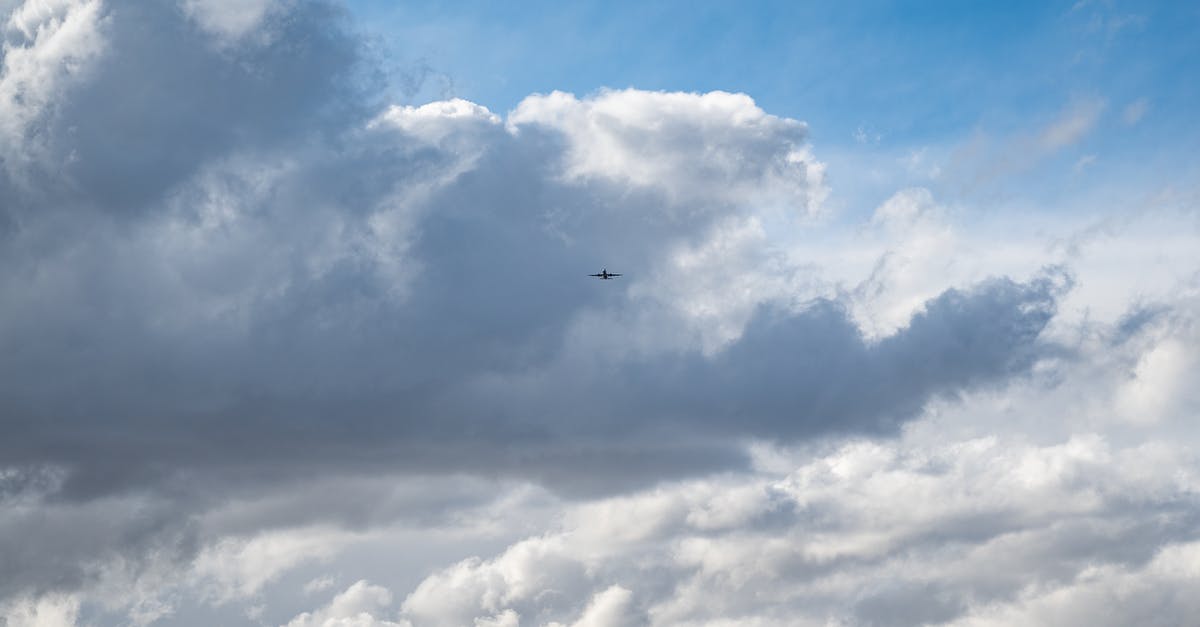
pixel 875 81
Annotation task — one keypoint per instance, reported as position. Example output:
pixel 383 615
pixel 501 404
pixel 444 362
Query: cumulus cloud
pixel 299 281
pixel 1034 503
pixel 977 523
pixel 257 319
pixel 653 140
pixel 356 607
pixel 976 531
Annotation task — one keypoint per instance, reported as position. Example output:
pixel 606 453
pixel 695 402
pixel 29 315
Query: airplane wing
pixel 613 274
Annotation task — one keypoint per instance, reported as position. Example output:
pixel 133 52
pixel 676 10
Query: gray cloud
pixel 158 98
pixel 285 284
pixel 227 269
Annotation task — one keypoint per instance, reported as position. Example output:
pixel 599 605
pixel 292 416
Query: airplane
pixel 605 275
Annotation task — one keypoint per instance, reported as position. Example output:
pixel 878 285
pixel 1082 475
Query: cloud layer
pixel 262 325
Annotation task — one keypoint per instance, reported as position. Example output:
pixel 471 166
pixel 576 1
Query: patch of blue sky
pixel 998 103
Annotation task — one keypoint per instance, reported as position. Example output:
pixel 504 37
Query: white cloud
pixel 608 608
pixel 717 148
pixel 918 244
pixel 228 19
pixel 535 572
pixel 904 208
pixel 318 584
pixel 436 122
pixel 863 134
pixel 712 288
pixel 918 163
pixel 56 610
pixel 992 521
pixel 356 607
pixel 49 47
pixel 507 618
pixel 1157 387
pixel 1158 593
pixel 870 533
pixel 234 568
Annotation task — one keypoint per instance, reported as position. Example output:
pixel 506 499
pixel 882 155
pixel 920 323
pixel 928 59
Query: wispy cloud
pixel 1072 125
pixel 1135 111
pixel 983 161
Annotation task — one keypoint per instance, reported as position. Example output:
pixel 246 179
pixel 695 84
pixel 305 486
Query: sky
pixel 296 327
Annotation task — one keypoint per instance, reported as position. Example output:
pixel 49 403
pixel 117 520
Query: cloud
pixel 258 319
pixel 651 140
pixel 353 608
pixel 1074 124
pixel 89 77
pixel 45 611
pixel 228 18
pixel 268 274
pixel 49 546
pixel 1156 593
pixel 958 532
pixel 1039 502
pixel 236 567
pixel 984 161
pixel 1135 111
pixel 48 48
pixel 609 608
pixel 318 584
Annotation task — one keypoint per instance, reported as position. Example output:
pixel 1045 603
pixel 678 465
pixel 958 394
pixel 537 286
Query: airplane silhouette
pixel 605 275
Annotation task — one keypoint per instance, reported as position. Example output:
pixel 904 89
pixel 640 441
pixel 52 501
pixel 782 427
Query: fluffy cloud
pixel 45 611
pixel 977 525
pixel 990 530
pixel 261 327
pixel 48 47
pixel 353 608
pixel 974 516
pixel 654 140
pixel 313 284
